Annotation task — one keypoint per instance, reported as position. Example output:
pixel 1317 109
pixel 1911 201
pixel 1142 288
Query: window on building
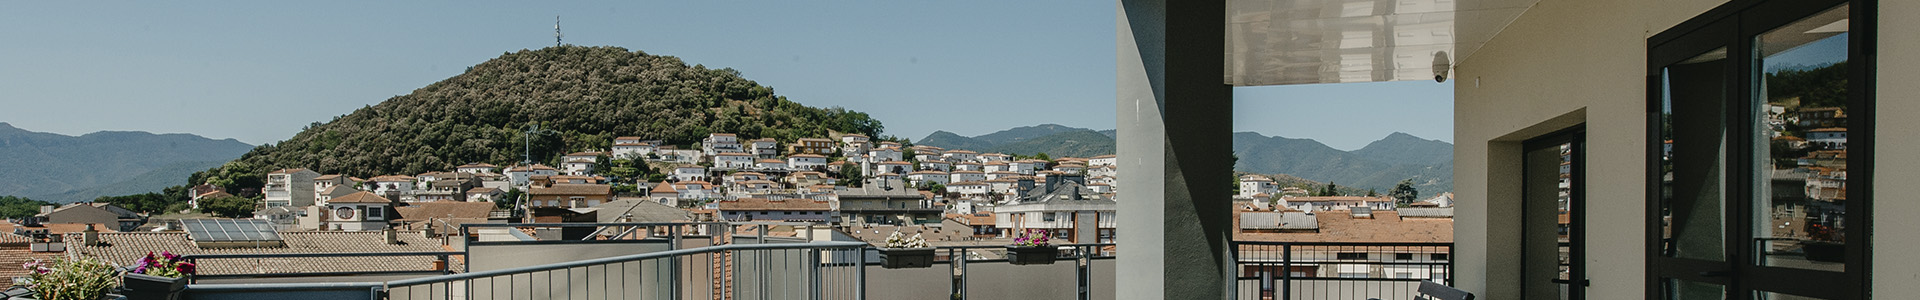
pixel 1403 256
pixel 1046 217
pixel 1350 255
pixel 1352 275
pixel 1438 256
pixel 375 212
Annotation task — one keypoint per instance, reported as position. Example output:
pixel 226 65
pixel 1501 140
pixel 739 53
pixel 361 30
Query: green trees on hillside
pixel 228 207
pixel 582 97
pixel 19 207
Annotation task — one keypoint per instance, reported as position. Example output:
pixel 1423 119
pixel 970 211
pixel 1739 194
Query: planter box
pixel 1037 255
pixel 149 287
pixel 900 258
pixel 1824 251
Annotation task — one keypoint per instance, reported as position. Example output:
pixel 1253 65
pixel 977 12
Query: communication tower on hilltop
pixel 556 31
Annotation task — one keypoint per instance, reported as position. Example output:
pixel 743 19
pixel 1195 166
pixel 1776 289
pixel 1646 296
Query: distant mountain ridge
pixel 1053 139
pixel 62 168
pixel 1380 165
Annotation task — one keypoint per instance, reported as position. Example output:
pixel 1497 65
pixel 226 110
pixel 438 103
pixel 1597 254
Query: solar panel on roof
pixel 229 230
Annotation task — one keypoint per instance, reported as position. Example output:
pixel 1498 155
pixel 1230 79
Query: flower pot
pixel 1824 251
pixel 1031 255
pixel 899 258
pixel 149 287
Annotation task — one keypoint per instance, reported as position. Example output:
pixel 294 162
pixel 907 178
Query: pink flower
pixel 186 268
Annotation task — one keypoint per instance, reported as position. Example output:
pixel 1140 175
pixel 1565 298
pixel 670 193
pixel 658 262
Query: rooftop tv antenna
pixel 556 31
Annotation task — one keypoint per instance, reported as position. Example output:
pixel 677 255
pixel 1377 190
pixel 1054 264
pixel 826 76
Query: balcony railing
pixel 720 261
pixel 1303 270
pixel 818 270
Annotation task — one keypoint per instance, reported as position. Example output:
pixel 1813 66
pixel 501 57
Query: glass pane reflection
pixel 1801 101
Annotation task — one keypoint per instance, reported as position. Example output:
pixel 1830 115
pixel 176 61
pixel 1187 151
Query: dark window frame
pixel 1734 25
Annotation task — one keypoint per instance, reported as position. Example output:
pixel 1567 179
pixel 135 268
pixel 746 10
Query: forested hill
pixel 582 97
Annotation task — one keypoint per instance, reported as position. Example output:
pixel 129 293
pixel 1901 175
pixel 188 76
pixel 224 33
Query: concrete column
pixel 1175 123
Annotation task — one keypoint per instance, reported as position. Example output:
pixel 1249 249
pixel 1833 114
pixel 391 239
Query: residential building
pixel 851 138
pixel 927 178
pixel 121 219
pixel 896 167
pixel 884 154
pixel 289 187
pixel 771 165
pixel 476 168
pixel 806 162
pixel 764 148
pixel 885 202
pixel 1256 184
pixel 690 173
pixel 960 155
pixel 964 176
pixel 579 163
pixel 967 166
pixel 520 175
pixel 982 224
pixel 1320 203
pixel 813 146
pixel 807 178
pixel 764 209
pixel 324 182
pixel 717 143
pixel 484 194
pixel 935 165
pixel 1103 160
pixel 392 186
pixel 359 211
pixel 629 147
pixel 990 158
pixel 968 188
pixel 732 161
pixel 567 195
pixel 1063 207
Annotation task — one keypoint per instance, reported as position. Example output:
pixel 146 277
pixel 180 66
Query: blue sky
pixel 259 71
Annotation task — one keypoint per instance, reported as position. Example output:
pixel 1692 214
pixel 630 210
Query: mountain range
pixel 1380 165
pixel 62 168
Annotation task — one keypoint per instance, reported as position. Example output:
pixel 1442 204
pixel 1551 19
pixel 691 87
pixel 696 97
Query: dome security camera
pixel 1440 66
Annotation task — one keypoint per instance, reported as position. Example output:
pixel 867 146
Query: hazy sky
pixel 258 71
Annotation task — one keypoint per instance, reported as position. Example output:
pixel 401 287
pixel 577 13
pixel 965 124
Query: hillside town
pixel 857 187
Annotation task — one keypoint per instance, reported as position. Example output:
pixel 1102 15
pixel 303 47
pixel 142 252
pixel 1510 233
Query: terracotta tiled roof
pixel 126 247
pixel 808 156
pixel 360 197
pixel 13 258
pixel 327 177
pixel 535 167
pixel 722 134
pixel 973 219
pixel 393 178
pixel 443 209
pixel 764 204
pixel 1340 226
pixel 572 189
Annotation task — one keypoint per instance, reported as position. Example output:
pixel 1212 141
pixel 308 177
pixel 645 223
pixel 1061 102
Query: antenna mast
pixel 556 31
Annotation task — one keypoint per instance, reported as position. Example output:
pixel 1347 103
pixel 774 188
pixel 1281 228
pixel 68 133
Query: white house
pixel 998 166
pixel 960 155
pixel 1103 160
pixel 630 147
pixel 392 186
pixel 851 138
pixel 1828 138
pixel 476 168
pixel 935 165
pixel 717 143
pixel 967 166
pixel 770 164
pixel 964 176
pixel 994 157
pixel 1026 166
pixel 968 188
pixel 1256 184
pixel 1002 174
pixel 519 175
pixel 895 167
pixel 732 160
pixel 883 154
pixel 689 173
pixel 579 163
pixel 918 178
pixel 764 148
pixel 806 161
pixel 485 194
pixel 289 187
pixel 1070 168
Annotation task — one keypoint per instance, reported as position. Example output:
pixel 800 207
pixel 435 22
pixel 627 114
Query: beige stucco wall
pixel 1895 166
pixel 1566 62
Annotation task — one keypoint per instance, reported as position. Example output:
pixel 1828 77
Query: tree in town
pixel 1404 193
pixel 20 207
pixel 228 207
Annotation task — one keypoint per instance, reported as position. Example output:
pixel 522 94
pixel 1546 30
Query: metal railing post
pixel 1286 271
pixel 959 265
pixel 860 275
pixel 1233 268
pixel 813 274
pixel 1085 262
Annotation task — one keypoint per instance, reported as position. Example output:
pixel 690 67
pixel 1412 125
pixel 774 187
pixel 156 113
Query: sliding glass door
pixel 1757 121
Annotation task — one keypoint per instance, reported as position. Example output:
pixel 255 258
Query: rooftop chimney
pixel 46 209
pixel 392 237
pixel 90 236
